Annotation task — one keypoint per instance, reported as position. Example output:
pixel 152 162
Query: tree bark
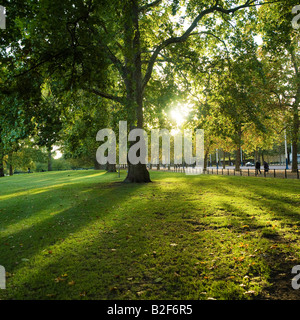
pixel 238 143
pixel 224 154
pixel 205 160
pixel 138 172
pixel 295 111
pixel 1 166
pixel 295 141
pixel 111 168
pixel 49 159
pixel 11 172
pixel 97 165
pixel 238 159
pixel 1 161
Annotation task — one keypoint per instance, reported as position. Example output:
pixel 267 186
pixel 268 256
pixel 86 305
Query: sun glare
pixel 180 113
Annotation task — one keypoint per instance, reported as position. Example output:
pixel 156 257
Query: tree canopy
pixel 70 68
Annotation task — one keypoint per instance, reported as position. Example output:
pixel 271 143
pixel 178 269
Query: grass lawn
pixel 86 235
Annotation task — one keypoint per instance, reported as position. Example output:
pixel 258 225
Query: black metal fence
pixel 271 173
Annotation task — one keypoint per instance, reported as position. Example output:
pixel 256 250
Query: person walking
pixel 257 167
pixel 266 167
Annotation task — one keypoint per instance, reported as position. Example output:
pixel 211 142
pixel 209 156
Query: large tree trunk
pixel 1 166
pixel 97 165
pixel 238 159
pixel 295 113
pixel 1 161
pixel 205 160
pixel 49 159
pixel 295 141
pixel 138 172
pixel 11 172
pixel 238 142
pixel 111 167
pixel 256 156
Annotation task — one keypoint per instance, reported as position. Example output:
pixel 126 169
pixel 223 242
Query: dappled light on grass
pixel 178 238
pixel 47 188
pixel 27 223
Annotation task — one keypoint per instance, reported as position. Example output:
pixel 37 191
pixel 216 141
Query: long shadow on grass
pixel 273 201
pixel 272 198
pixel 25 244
pixel 107 262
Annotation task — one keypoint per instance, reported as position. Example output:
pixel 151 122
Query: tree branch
pixel 106 95
pixel 213 35
pixel 187 33
pixel 149 5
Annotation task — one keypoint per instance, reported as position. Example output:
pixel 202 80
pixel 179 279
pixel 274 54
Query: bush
pixel 60 164
pixel 40 166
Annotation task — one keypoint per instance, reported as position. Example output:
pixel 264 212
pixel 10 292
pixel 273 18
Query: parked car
pixel 249 164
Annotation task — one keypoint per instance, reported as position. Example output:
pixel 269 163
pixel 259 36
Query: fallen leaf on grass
pixel 8 274
pixel 240 259
pixel 249 292
pixel 59 279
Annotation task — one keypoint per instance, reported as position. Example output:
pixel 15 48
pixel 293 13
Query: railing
pixel 271 173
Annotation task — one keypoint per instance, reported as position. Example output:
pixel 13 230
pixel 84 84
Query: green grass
pixel 86 235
